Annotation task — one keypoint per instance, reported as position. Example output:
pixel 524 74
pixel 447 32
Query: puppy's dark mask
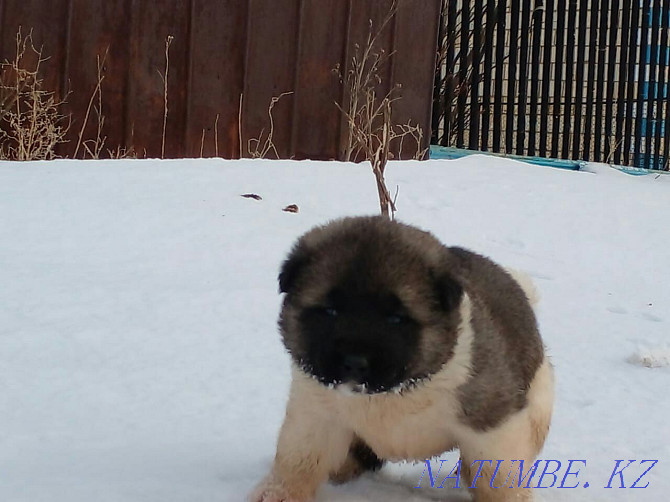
pixel 343 320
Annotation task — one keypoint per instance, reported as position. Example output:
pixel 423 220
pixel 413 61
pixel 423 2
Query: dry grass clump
pixel 31 123
pixel 371 133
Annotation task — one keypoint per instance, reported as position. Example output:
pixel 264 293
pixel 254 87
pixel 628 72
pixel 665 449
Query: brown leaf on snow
pixel 293 208
pixel 252 196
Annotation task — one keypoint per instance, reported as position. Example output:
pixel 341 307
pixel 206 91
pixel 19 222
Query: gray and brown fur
pixel 471 370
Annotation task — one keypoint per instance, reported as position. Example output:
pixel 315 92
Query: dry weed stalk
pixel 216 136
pixel 368 116
pixel 31 124
pixel 614 145
pixel 164 77
pixel 257 148
pixel 239 123
pixel 97 144
pixel 216 139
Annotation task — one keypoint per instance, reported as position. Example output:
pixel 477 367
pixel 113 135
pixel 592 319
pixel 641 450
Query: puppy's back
pixel 507 349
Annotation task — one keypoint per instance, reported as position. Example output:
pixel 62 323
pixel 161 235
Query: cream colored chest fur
pixel 415 425
pixel 402 428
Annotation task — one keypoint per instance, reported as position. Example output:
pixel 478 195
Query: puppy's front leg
pixel 310 446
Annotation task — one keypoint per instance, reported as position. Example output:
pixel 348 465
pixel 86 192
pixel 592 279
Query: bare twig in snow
pixel 168 42
pixel 259 149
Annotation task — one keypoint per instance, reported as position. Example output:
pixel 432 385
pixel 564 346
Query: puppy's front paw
pixel 270 490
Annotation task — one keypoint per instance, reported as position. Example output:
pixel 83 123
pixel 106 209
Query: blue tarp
pixel 444 152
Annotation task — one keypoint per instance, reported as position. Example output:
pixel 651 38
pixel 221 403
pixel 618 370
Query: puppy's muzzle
pixel 355 367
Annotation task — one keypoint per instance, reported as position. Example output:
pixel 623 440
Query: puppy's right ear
pixel 292 267
pixel 449 291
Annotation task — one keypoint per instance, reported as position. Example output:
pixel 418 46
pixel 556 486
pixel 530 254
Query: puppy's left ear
pixel 449 291
pixel 292 267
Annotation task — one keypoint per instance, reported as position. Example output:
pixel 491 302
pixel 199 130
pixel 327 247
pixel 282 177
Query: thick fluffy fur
pixel 404 349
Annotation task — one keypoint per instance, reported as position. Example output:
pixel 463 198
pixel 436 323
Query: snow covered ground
pixel 139 356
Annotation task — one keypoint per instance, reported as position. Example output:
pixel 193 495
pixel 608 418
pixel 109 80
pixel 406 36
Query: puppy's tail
pixel 526 283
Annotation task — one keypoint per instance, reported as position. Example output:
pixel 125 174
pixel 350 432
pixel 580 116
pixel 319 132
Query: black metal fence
pixel 569 79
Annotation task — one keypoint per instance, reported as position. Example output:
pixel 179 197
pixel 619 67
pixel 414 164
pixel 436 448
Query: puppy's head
pixel 370 305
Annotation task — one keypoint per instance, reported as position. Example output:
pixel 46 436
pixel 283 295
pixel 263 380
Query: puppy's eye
pixel 331 312
pixel 323 311
pixel 396 319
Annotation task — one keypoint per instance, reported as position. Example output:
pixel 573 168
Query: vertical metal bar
pixel 642 87
pixel 546 74
pixel 666 93
pixel 652 89
pixel 558 78
pixel 661 95
pixel 632 80
pixel 535 70
pixel 463 85
pixel 623 77
pixel 500 74
pixel 523 78
pixel 438 111
pixel 475 109
pixel 450 74
pixel 569 77
pixel 593 46
pixel 511 111
pixel 600 85
pixel 488 72
pixel 579 82
pixel 611 141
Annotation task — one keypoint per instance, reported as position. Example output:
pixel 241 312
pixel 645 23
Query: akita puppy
pixel 402 349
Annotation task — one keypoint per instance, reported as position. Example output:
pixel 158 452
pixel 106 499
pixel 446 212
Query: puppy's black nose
pixel 355 366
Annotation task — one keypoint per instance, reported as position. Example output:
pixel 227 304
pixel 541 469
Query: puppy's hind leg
pixel 500 461
pixel 360 459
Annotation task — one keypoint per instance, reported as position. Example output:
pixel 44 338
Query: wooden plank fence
pixel 222 53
